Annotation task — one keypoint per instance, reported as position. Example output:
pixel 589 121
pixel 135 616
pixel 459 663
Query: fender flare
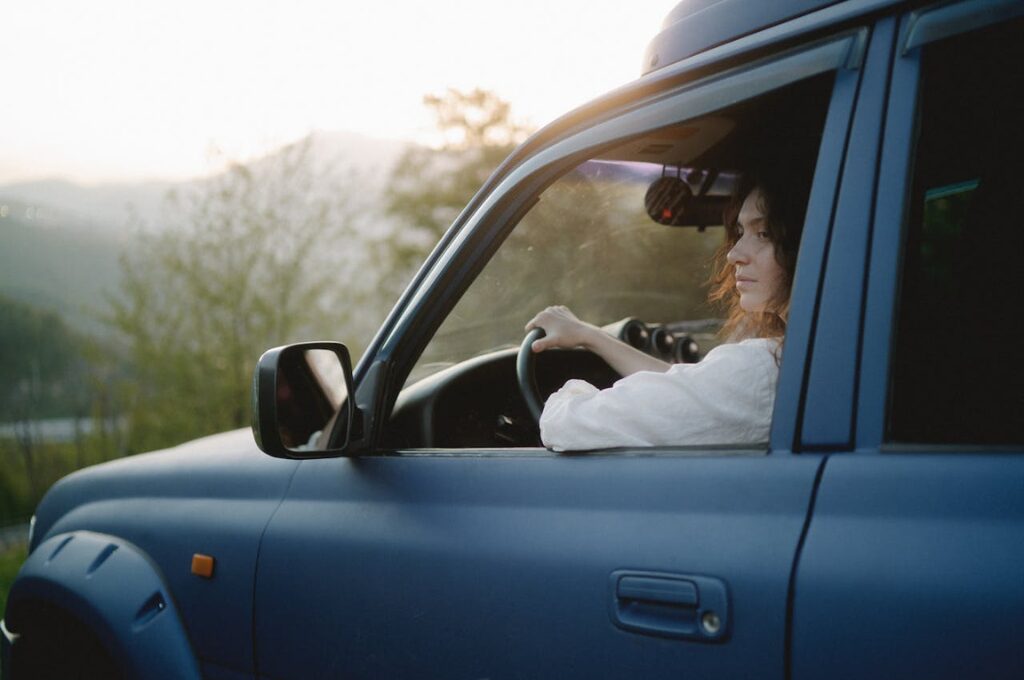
pixel 116 591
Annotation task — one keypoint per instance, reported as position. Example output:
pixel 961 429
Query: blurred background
pixel 184 185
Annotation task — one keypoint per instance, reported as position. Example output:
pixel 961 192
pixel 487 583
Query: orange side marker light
pixel 202 565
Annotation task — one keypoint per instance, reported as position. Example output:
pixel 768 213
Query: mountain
pixel 56 261
pixel 60 241
pixel 100 208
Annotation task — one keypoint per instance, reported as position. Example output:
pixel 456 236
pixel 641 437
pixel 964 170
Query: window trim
pixel 829 404
pixel 937 23
pixel 884 264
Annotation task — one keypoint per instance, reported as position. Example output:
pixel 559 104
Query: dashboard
pixel 477 403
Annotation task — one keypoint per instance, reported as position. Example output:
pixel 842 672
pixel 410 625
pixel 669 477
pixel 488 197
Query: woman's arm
pixel 726 398
pixel 565 331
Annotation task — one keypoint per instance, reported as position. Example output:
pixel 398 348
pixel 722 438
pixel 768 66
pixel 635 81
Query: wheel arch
pixel 115 592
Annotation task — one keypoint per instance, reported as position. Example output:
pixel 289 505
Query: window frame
pixel 830 387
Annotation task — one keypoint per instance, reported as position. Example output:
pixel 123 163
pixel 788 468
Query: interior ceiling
pixel 674 145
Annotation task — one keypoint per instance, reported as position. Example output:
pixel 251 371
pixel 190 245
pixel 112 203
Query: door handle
pixel 670 605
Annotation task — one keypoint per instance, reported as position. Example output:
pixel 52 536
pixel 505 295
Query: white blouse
pixel 726 398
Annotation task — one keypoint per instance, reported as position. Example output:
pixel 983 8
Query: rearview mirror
pixel 301 400
pixel 672 202
pixel 666 200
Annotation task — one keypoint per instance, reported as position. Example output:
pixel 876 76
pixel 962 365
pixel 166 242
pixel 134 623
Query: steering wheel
pixel 526 373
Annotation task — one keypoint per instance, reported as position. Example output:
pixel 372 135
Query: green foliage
pixel 10 562
pixel 49 371
pixel 588 241
pixel 589 244
pixel 28 467
pixel 430 186
pixel 244 266
pixel 42 370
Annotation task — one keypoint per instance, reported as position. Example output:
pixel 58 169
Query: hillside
pixel 60 241
pixel 57 262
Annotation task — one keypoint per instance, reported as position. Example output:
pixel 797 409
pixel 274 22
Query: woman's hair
pixel 783 201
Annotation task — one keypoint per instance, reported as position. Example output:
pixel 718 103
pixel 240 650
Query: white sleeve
pixel 725 399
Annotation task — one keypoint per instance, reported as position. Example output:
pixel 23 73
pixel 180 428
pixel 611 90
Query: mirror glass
pixel 327 369
pixel 311 392
pixel 667 199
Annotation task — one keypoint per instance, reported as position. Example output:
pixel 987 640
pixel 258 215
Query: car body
pixel 878 533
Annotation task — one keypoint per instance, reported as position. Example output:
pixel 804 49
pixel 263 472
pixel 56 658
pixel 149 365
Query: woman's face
pixel 759 276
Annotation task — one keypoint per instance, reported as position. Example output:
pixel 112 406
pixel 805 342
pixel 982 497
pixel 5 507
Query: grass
pixel 10 562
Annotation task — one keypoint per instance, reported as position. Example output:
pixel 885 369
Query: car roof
pixel 694 26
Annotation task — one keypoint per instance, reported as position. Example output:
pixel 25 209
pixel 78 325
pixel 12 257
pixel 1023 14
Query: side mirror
pixel 301 400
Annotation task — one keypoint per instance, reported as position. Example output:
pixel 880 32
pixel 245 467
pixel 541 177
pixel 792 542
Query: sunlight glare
pixel 124 90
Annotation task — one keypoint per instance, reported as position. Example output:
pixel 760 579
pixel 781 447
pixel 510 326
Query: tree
pixel 47 371
pixel 40 363
pixel 587 241
pixel 248 260
pixel 431 185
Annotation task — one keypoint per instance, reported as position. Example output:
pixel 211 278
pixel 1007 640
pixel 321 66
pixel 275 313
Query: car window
pixel 957 376
pixel 595 241
pixel 589 242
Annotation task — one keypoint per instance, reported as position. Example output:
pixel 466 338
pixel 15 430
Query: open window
pixel 625 238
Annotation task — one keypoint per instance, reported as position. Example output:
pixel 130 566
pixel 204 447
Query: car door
pixel 519 562
pixel 911 565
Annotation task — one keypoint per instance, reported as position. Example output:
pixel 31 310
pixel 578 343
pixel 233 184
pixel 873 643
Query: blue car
pixel 401 519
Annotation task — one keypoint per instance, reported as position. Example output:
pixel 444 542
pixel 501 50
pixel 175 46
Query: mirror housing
pixel 301 400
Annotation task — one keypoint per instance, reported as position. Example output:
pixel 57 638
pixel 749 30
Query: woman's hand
pixel 563 330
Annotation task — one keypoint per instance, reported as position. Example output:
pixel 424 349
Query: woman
pixel 726 398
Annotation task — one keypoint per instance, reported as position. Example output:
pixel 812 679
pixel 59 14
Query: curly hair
pixel 783 201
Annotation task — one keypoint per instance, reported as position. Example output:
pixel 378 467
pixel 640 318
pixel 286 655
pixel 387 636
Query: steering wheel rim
pixel 526 374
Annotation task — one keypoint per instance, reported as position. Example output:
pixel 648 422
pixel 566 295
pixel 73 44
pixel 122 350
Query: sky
pixel 114 90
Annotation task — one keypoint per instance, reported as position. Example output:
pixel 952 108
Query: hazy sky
pixel 136 89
